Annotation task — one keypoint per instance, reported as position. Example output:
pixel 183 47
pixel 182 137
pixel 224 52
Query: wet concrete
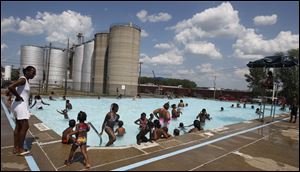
pixel 272 147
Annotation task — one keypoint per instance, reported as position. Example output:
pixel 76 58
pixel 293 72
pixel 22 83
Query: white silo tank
pixel 57 67
pixel 99 67
pixel 77 67
pixel 33 56
pixel 7 73
pixel 123 59
pixel 86 74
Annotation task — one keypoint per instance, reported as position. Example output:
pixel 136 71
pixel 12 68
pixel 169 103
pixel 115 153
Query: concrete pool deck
pixel 247 146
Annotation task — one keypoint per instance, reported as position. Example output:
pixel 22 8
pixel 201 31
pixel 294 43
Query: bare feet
pixel 67 162
pixel 87 165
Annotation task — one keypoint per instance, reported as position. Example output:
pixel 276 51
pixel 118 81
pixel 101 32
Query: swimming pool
pixel 130 110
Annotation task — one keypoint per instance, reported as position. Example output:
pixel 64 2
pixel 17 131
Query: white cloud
pixel 57 27
pixel 31 26
pixel 144 17
pixel 172 57
pixel 205 68
pixel 241 72
pixel 203 48
pixel 144 33
pixel 221 21
pixel 3 45
pixel 9 24
pixel 265 20
pixel 253 46
pixel 163 46
pixel 185 72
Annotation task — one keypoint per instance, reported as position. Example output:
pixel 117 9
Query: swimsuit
pixel 82 129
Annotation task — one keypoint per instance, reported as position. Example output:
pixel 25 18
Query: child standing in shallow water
pixel 121 130
pixel 81 139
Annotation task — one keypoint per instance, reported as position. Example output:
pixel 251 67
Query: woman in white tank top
pixel 21 90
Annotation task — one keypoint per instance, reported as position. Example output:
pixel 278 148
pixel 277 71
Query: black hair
pixel 28 68
pixel 166 105
pixel 270 73
pixel 143 114
pixel 173 105
pixel 81 117
pixel 72 123
pixel 114 106
pixel 156 123
pixel 197 124
pixel 120 123
pixel 181 124
pixel 176 132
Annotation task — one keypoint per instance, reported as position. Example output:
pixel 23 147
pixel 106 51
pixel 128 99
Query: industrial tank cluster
pixel 107 64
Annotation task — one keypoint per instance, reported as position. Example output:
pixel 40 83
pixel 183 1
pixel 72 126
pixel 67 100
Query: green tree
pixel 289 77
pixel 15 74
pixel 255 76
pixel 169 81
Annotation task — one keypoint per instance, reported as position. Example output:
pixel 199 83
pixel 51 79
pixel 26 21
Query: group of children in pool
pixel 157 128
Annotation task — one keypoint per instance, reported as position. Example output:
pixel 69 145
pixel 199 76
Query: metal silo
pixel 77 67
pixel 123 58
pixel 88 53
pixel 99 71
pixel 33 56
pixel 57 67
pixel 7 73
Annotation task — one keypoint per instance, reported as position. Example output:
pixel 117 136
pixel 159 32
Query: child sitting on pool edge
pixel 67 131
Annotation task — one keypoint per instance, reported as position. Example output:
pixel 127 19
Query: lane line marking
pixel 147 161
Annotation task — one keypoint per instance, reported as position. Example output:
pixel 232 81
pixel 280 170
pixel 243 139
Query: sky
pixel 206 42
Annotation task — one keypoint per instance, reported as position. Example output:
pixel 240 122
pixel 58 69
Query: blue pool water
pixel 130 110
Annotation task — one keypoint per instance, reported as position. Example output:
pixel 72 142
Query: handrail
pixel 93 127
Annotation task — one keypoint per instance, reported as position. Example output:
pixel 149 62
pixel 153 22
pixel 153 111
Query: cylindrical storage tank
pixel 88 53
pixel 33 56
pixel 57 67
pixel 123 58
pixel 77 67
pixel 7 73
pixel 99 67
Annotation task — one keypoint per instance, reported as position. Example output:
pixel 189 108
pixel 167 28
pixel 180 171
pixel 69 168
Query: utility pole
pixel 47 80
pixel 66 73
pixel 215 87
pixel 139 81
